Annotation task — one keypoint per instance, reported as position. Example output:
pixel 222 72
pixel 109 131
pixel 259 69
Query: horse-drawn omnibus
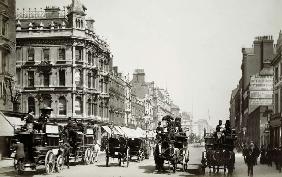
pixel 218 152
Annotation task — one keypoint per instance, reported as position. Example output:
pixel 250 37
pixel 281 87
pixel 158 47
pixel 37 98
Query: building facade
pixel 275 122
pixel 8 97
pixel 187 121
pixel 62 63
pixel 255 63
pixel 117 100
pixel 137 112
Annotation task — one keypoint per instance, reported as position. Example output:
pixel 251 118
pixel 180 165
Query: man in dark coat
pixel 20 155
pixel 251 159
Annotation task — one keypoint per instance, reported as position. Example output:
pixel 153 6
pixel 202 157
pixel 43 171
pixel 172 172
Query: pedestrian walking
pixel 250 159
pixel 97 150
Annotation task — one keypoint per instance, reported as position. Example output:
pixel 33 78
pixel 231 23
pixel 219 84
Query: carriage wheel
pixel 174 166
pixel 59 163
pixel 127 157
pixel 184 163
pixel 93 157
pixel 87 156
pixel 49 162
pixel 107 161
pixel 107 158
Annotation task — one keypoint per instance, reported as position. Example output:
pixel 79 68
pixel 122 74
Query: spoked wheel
pixel 92 157
pixel 107 158
pixel 174 166
pixel 59 163
pixel 127 157
pixel 49 162
pixel 184 163
pixel 87 156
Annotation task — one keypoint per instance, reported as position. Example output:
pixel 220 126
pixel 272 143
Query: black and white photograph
pixel 140 88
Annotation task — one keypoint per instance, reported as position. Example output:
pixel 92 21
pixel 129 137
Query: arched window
pixel 31 104
pixel 62 106
pixel 78 106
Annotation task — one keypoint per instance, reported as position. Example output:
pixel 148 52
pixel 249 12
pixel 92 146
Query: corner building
pixel 62 63
pixel 7 54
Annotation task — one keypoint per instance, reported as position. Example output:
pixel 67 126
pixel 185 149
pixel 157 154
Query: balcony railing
pixel 39 14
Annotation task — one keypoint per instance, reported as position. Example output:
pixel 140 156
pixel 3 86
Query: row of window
pixel 92 80
pixel 91 57
pixel 46 54
pixel 78 106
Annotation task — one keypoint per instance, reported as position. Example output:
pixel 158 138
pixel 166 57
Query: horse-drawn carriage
pixel 117 147
pixel 218 152
pixel 40 149
pixel 181 150
pixel 81 141
pixel 136 148
pixel 171 146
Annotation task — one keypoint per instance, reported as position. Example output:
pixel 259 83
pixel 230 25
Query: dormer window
pixel 79 23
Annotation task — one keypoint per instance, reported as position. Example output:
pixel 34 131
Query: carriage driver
pixel 44 117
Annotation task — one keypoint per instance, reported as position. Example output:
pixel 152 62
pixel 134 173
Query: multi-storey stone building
pixel 128 106
pixel 163 103
pixel 62 63
pixel 7 55
pixel 137 112
pixel 275 122
pixel 117 97
pixel 145 91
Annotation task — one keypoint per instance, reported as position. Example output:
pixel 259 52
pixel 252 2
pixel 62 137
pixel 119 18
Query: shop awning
pixel 8 124
pixel 119 130
pixel 107 129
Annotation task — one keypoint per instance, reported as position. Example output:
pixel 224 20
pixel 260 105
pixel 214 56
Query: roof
pixel 77 7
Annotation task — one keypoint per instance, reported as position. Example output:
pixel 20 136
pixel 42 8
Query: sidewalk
pixel 259 170
pixel 6 162
pixel 9 162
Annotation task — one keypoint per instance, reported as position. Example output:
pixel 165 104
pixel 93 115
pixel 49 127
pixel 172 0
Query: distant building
pixel 62 63
pixel 199 126
pixel 144 91
pixel 187 121
pixel 137 112
pixel 175 110
pixel 117 97
pixel 163 102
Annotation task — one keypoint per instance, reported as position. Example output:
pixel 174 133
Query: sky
pixel 190 47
